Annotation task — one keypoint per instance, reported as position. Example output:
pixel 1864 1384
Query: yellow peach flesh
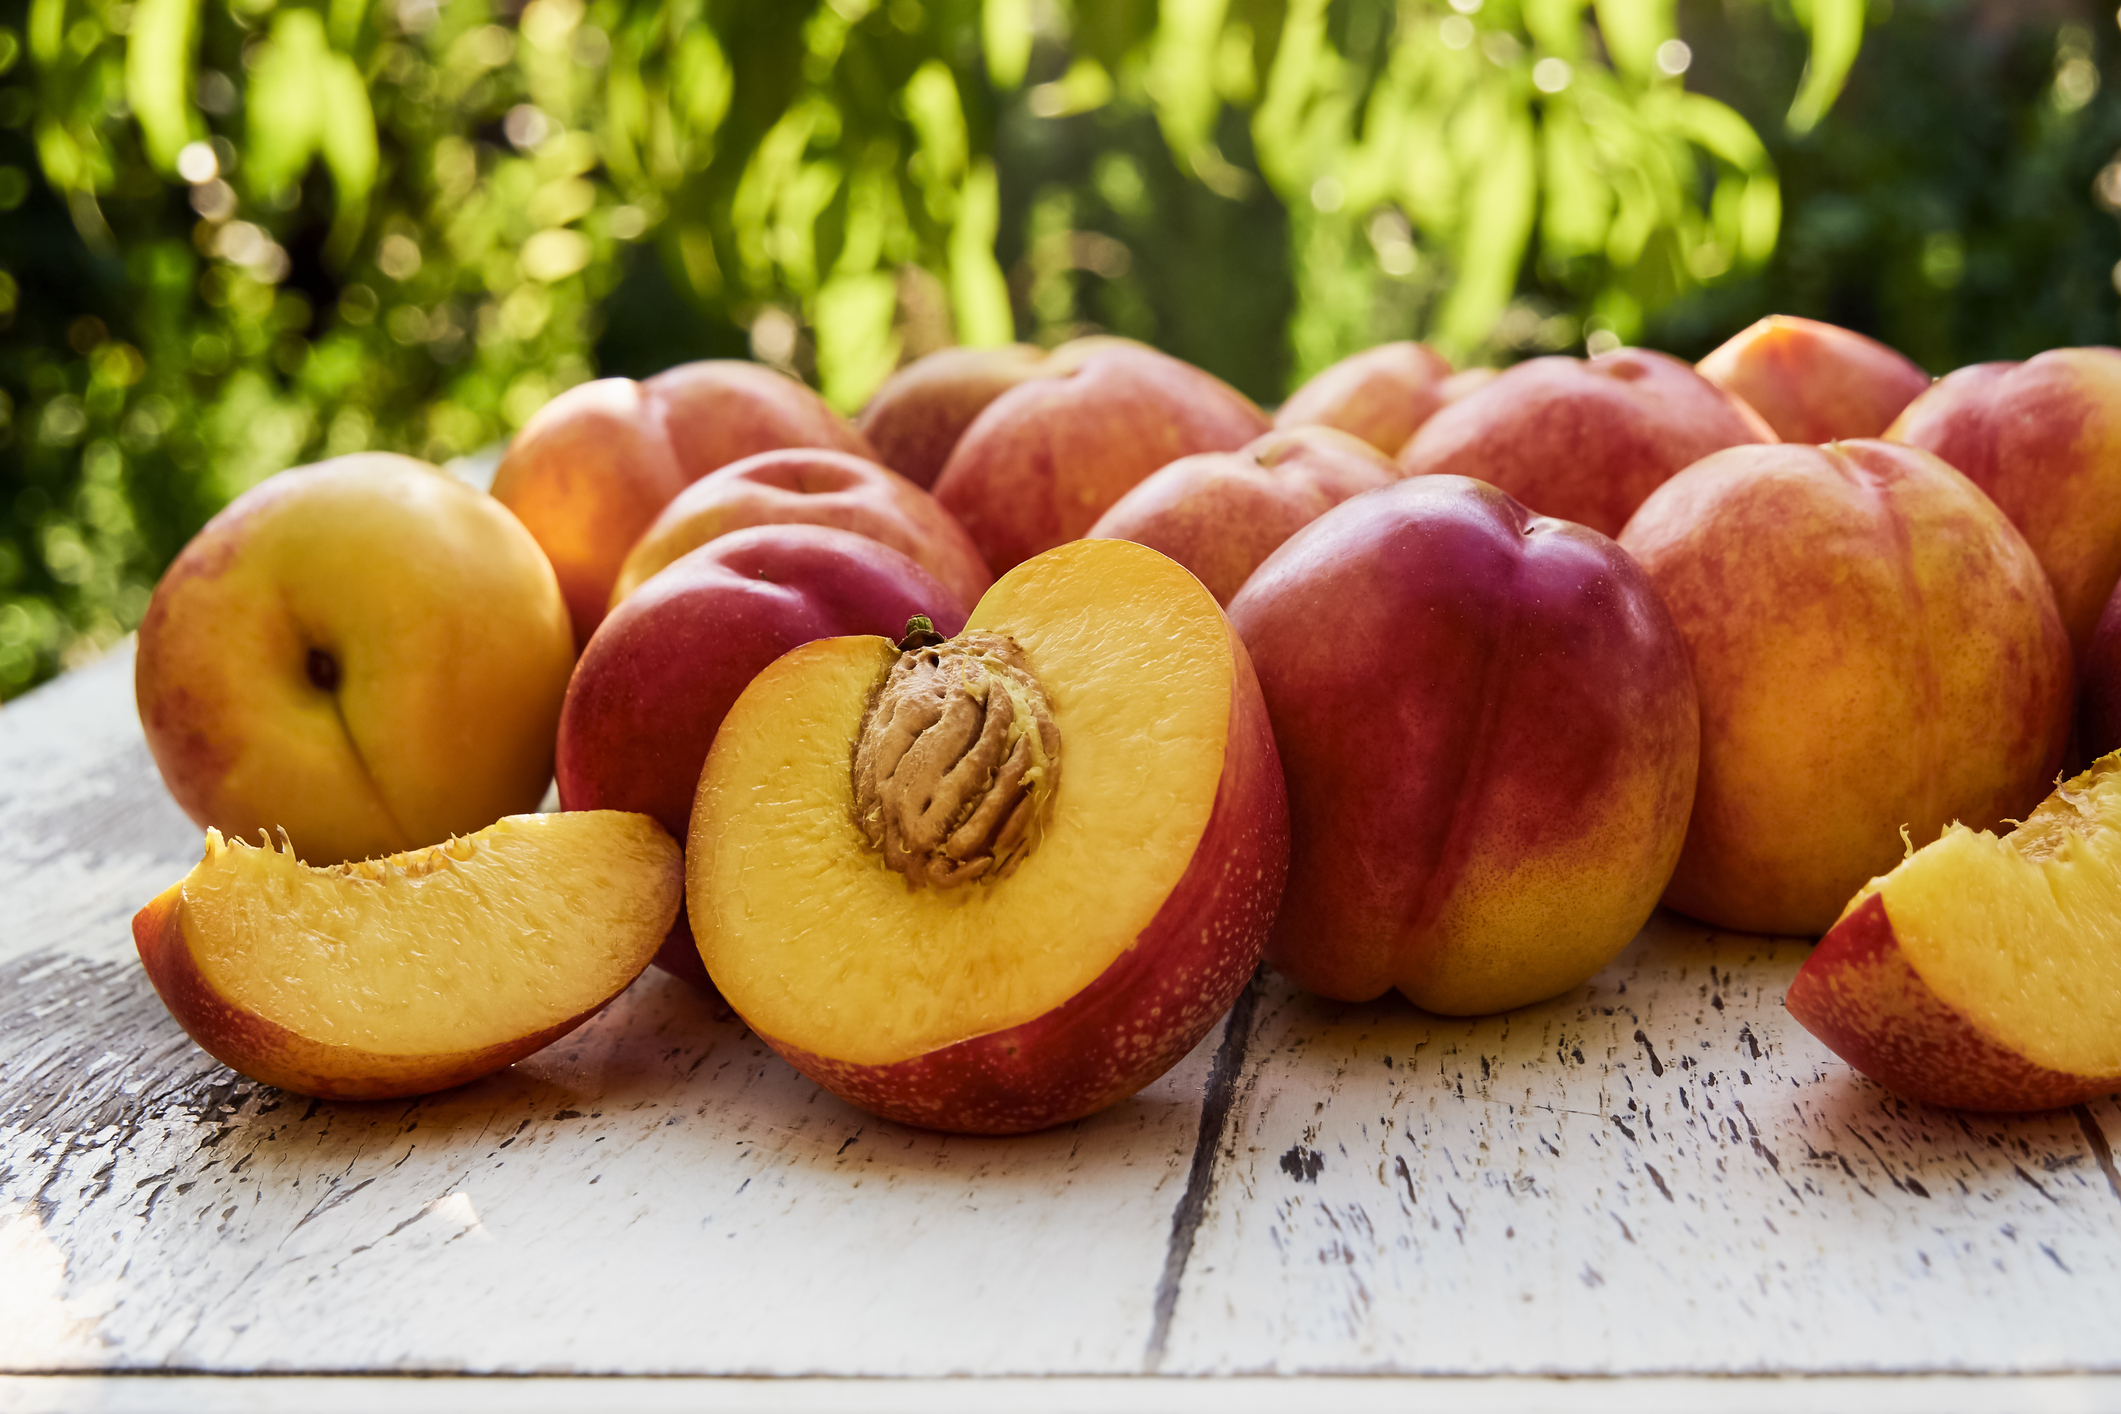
pixel 457 947
pixel 820 945
pixel 2021 934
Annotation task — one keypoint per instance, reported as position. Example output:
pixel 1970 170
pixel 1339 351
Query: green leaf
pixel 1723 132
pixel 856 345
pixel 286 102
pixel 159 53
pixel 1181 77
pixel 347 135
pixel 1836 28
pixel 1633 29
pixel 979 294
pixel 1005 35
pixel 1557 26
pixel 1498 226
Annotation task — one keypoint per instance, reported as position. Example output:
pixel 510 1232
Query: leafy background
pixel 237 235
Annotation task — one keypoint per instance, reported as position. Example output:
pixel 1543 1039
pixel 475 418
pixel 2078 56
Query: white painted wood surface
pixel 1651 1189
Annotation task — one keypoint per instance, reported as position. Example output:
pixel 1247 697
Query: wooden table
pixel 1655 1193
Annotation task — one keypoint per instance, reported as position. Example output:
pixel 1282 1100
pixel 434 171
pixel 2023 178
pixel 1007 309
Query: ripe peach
pixel 1982 973
pixel 1875 648
pixel 660 673
pixel 404 975
pixel 916 418
pixel 1382 395
pixel 1815 382
pixel 803 485
pixel 1583 440
pixel 2043 439
pixel 366 653
pixel 1487 725
pixel 592 469
pixel 1047 458
pixel 1220 513
pixel 997 882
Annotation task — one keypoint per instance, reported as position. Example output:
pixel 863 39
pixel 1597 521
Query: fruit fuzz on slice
pixel 399 976
pixel 1001 881
pixel 1984 973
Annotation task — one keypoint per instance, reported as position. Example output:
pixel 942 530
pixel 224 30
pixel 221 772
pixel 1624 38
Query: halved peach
pixel 1984 973
pixel 399 976
pixel 996 882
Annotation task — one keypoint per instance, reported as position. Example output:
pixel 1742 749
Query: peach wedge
pixel 999 881
pixel 399 976
pixel 1984 973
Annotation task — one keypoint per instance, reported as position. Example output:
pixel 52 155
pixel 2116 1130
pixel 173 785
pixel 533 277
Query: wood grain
pixel 1660 1172
pixel 1657 1187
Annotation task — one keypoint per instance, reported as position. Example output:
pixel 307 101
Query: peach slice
pixel 1984 973
pixel 1041 903
pixel 399 976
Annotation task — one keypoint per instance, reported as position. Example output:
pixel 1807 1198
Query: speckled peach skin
pixel 444 637
pixel 1487 726
pixel 811 486
pixel 1874 646
pixel 1220 514
pixel 589 472
pixel 1815 382
pixel 1044 460
pixel 1583 440
pixel 1858 994
pixel 1382 395
pixel 917 416
pixel 1145 1011
pixel 2043 439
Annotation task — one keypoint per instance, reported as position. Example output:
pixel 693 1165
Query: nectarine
pixel 998 881
pixel 1487 725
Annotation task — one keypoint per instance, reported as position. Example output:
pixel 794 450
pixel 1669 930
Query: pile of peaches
pixel 976 753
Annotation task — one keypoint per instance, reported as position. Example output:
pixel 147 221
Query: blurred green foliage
pixel 240 234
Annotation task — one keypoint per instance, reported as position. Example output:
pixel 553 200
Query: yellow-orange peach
pixel 1875 648
pixel 2043 439
pixel 591 470
pixel 366 653
pixel 1815 382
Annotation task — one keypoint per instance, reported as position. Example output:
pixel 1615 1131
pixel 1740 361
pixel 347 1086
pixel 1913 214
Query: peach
pixel 916 418
pixel 1382 395
pixel 1875 648
pixel 366 653
pixel 591 470
pixel 1487 725
pixel 660 673
pixel 1583 440
pixel 2043 439
pixel 400 976
pixel 1047 458
pixel 920 412
pixel 1220 513
pixel 998 881
pixel 803 485
pixel 1815 382
pixel 1985 973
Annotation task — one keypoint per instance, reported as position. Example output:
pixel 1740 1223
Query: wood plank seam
pixel 2101 1150
pixel 1207 1149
